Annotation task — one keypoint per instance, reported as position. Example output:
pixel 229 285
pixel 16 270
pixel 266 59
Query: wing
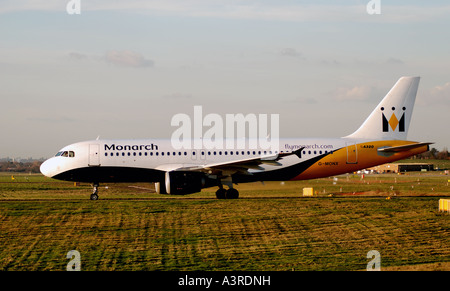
pixel 241 166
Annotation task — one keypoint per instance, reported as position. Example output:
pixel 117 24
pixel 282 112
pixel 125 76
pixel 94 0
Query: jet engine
pixel 180 183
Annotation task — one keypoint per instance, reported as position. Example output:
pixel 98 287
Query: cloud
pixel 358 93
pixel 52 119
pixel 394 61
pixel 440 94
pixel 177 96
pixel 124 58
pixel 77 56
pixel 290 52
pixel 127 58
pixel 330 62
pixel 302 101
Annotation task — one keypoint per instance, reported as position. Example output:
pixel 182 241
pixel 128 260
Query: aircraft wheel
pixel 94 195
pixel 232 193
pixel 221 193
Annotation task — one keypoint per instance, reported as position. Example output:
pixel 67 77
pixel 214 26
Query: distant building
pixel 402 167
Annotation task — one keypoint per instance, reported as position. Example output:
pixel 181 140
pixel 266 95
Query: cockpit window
pixel 69 154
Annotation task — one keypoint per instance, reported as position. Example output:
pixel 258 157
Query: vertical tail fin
pixel 391 118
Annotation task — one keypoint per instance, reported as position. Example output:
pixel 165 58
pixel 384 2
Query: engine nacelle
pixel 160 188
pixel 184 182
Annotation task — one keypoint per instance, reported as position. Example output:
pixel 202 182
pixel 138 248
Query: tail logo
pixel 393 121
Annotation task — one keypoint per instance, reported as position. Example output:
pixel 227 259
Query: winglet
pixel 298 153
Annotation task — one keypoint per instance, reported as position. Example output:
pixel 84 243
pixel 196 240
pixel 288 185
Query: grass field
pixel 270 227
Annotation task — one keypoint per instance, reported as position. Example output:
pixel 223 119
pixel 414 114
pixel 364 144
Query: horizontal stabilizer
pixel 403 148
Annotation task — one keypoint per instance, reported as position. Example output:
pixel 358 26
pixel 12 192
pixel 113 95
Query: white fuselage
pixel 159 154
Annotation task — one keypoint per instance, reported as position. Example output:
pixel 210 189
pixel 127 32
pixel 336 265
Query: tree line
pixel 434 154
pixel 19 167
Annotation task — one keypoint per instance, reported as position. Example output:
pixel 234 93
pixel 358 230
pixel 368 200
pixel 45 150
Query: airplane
pixel 380 139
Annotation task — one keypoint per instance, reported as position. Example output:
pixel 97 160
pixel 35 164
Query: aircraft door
pixel 352 153
pixel 94 155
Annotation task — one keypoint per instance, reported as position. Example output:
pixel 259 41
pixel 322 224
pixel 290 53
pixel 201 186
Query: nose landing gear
pixel 94 195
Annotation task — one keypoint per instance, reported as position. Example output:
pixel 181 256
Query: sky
pixel 123 69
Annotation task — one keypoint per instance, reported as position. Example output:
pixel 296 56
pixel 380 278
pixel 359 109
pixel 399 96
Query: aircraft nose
pixel 48 168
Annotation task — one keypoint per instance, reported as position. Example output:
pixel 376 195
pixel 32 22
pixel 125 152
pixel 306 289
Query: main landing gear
pixel 94 195
pixel 231 193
